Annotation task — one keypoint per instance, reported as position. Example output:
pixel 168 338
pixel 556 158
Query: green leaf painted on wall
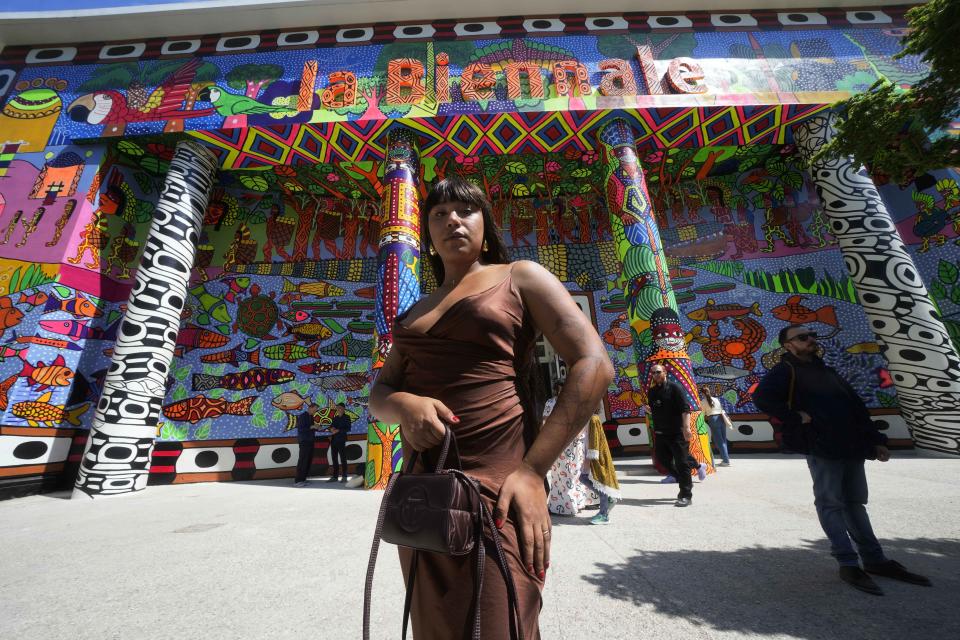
pixel 254 182
pixel 955 295
pixel 947 272
pixel 202 432
pixel 937 290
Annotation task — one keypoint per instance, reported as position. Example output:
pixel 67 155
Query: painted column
pixel 398 282
pixel 651 305
pixel 922 361
pixel 116 459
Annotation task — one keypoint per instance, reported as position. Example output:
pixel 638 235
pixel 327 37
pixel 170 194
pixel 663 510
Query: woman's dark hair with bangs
pixel 456 188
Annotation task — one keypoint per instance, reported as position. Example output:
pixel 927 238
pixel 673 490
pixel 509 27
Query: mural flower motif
pixel 332 177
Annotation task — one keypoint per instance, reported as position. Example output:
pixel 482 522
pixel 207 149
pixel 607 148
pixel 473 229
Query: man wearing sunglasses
pixel 822 416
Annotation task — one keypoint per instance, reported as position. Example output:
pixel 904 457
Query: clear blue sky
pixel 63 5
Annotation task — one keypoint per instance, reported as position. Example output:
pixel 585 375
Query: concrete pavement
pixel 264 560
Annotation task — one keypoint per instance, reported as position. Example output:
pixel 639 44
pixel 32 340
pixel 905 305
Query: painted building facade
pixel 198 233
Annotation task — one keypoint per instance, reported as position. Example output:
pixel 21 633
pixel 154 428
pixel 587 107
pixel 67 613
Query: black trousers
pixel 304 461
pixel 338 451
pixel 672 452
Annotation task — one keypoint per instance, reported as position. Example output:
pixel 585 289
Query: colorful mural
pixel 288 298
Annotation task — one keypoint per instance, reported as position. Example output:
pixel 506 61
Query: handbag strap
pixel 374 551
pixel 448 441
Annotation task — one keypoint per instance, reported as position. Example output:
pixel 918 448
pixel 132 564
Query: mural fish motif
pixel 8 352
pixel 718 287
pixel 201 407
pixel 232 356
pixel 310 331
pixel 40 411
pixel 349 382
pixel 10 316
pixel 323 367
pixel 55 374
pixel 291 352
pixel 795 313
pixel 616 336
pixel 722 372
pixel 78 306
pixel 712 311
pixel 318 288
pixel 864 347
pixel 348 347
pixel 365 292
pixel 79 329
pixel 34 300
pixel 235 286
pixel 295 316
pixel 47 342
pixel 257 378
pixel 211 308
pixel 288 401
pixel 5 389
pixel 193 337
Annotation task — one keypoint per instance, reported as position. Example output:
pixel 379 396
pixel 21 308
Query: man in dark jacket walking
pixel 671 429
pixel 822 416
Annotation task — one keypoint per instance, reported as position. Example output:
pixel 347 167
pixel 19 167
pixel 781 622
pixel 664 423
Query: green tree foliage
pixel 898 130
pixel 253 78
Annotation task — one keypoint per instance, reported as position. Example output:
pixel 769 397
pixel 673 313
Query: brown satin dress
pixel 468 360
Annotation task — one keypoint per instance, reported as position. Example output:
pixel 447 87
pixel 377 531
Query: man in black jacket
pixel 822 416
pixel 339 429
pixel 671 429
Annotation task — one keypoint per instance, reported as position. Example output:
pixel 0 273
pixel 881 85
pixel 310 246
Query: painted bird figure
pixel 109 107
pixel 229 104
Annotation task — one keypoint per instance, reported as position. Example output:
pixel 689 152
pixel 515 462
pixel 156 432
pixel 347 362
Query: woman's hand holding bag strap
pixel 440 512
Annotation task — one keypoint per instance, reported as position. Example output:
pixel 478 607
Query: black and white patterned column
pixel 116 459
pixel 923 363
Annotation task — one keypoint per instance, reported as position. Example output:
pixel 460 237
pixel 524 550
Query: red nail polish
pixel 530 568
pixel 455 419
pixel 499 523
pixel 542 574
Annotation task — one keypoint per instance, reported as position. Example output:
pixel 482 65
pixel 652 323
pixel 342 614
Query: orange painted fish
pixel 194 337
pixel 55 374
pixel 201 407
pixel 795 313
pixel 35 300
pixel 48 342
pixel 5 389
pixel 616 336
pixel 10 316
pixel 40 411
pixel 78 306
pixel 232 356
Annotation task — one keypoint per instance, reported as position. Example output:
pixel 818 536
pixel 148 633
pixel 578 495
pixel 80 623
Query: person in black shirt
pixel 306 430
pixel 339 429
pixel 671 428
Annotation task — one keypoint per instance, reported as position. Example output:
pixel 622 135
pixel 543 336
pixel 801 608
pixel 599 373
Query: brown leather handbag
pixel 439 512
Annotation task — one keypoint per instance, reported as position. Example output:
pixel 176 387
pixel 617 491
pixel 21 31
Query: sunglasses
pixel 804 336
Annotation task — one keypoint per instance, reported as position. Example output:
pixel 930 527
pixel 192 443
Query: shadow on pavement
pixel 794 591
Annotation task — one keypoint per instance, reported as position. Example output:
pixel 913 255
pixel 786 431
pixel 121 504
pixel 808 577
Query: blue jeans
pixel 718 434
pixel 604 500
pixel 840 493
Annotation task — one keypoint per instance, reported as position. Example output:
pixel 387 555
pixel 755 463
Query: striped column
pixel 651 305
pixel 398 282
pixel 116 459
pixel 920 356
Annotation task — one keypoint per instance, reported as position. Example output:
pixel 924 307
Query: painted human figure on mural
pixel 93 239
pixel 930 221
pixel 123 251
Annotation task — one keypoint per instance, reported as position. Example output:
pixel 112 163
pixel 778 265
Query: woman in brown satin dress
pixel 463 358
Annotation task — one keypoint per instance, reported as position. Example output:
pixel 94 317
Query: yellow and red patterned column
pixel 398 282
pixel 651 305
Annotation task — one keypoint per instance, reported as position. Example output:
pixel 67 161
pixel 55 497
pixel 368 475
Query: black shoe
pixel 858 579
pixel 344 479
pixel 333 479
pixel 895 570
pixel 683 502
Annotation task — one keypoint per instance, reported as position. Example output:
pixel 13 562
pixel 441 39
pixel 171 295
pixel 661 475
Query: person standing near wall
pixel 717 418
pixel 672 430
pixel 823 417
pixel 306 436
pixel 339 429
